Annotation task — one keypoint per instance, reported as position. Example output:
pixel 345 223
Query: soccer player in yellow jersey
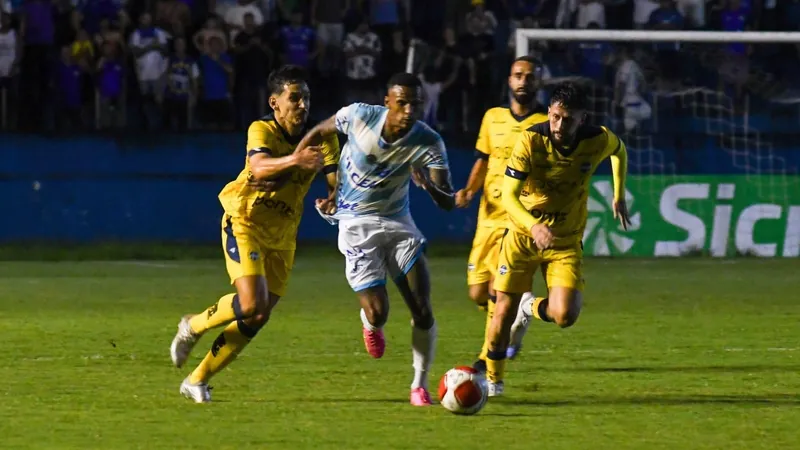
pixel 499 132
pixel 545 192
pixel 262 207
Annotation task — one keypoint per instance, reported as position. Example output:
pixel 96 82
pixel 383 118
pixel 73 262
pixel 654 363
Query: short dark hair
pixel 404 79
pixel 570 96
pixel 532 60
pixel 528 59
pixel 287 74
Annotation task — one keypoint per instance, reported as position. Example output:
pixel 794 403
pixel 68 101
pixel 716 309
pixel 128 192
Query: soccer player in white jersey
pixel 386 147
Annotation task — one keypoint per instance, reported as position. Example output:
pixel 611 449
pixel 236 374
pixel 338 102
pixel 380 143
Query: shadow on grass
pixel 692 369
pixel 666 400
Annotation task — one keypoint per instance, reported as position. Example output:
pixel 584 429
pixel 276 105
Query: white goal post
pixel 525 35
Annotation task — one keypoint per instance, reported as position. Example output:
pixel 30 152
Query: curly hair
pixel 570 96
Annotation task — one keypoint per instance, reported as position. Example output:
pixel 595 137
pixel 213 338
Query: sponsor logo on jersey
pixel 279 206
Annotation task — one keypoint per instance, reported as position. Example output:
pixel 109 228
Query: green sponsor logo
pixel 675 216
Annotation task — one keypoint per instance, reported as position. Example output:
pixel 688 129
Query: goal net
pixel 711 127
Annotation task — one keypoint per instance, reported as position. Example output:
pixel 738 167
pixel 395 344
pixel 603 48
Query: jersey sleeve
pixel 435 156
pixel 346 116
pixel 613 144
pixel 519 164
pixel 330 154
pixel 482 147
pixel 259 139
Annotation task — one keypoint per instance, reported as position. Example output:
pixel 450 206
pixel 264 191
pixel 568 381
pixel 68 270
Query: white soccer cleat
pixel 495 389
pixel 520 325
pixel 200 392
pixel 183 343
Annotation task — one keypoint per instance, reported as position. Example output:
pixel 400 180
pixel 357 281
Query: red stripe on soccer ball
pixel 442 387
pixel 467 394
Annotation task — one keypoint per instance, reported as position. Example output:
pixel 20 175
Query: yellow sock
pixel 495 365
pixel 226 347
pixel 218 314
pixel 539 309
pixel 489 315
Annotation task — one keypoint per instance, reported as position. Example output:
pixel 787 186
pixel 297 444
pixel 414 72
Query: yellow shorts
pixel 247 254
pixel 519 259
pixel 482 263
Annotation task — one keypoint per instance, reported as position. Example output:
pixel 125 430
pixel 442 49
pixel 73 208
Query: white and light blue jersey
pixel 373 174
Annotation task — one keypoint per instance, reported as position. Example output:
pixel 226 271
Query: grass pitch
pixel 669 354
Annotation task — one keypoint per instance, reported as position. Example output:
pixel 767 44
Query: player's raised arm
pixel 519 167
pixel 477 176
pixel 619 168
pixel 264 166
pixel 318 134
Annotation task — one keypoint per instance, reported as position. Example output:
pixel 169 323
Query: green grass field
pixel 672 354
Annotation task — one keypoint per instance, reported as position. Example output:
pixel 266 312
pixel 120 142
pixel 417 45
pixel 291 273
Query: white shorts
pixel 376 246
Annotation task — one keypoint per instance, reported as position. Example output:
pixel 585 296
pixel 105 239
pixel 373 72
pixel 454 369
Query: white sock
pixel 423 349
pixel 366 323
pixel 526 304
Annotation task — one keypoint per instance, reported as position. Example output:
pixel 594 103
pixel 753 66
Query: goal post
pixel 523 36
pixel 712 171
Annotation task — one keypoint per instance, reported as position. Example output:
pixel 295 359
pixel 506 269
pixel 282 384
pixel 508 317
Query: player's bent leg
pixel 230 307
pixel 479 294
pixel 498 337
pixel 252 306
pixel 563 273
pixel 415 288
pixel 563 306
pixel 374 314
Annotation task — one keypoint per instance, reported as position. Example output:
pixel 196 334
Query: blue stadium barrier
pixel 164 188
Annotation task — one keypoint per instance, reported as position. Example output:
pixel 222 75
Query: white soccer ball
pixel 463 390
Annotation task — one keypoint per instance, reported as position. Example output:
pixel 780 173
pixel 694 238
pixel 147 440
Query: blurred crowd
pixel 72 65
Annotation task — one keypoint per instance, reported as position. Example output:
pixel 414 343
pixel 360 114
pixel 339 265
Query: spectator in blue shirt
pixel 734 69
pixel 181 87
pixel 110 82
pixel 667 18
pixel 592 57
pixel 216 68
pixel 298 42
pixel 68 84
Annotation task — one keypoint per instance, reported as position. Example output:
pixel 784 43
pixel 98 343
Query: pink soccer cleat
pixel 420 397
pixel 375 342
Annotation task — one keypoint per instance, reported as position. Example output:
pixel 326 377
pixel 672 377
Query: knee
pixel 259 307
pixel 248 305
pixel 565 319
pixel 567 315
pixel 479 294
pixel 423 321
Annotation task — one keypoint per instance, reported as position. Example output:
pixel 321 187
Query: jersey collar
pixel 292 140
pixel 537 108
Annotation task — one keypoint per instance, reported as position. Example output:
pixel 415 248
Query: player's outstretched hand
pixel 326 205
pixel 621 214
pixel 542 236
pixel 463 198
pixel 419 177
pixel 309 158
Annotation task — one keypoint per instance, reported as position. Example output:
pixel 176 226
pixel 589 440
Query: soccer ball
pixel 463 390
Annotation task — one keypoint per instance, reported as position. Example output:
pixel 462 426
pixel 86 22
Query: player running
pixel 545 192
pixel 387 145
pixel 259 228
pixel 499 132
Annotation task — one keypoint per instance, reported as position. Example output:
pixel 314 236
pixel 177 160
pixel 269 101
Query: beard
pixel 523 97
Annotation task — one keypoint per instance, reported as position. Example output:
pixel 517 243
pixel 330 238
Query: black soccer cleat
pixel 480 366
